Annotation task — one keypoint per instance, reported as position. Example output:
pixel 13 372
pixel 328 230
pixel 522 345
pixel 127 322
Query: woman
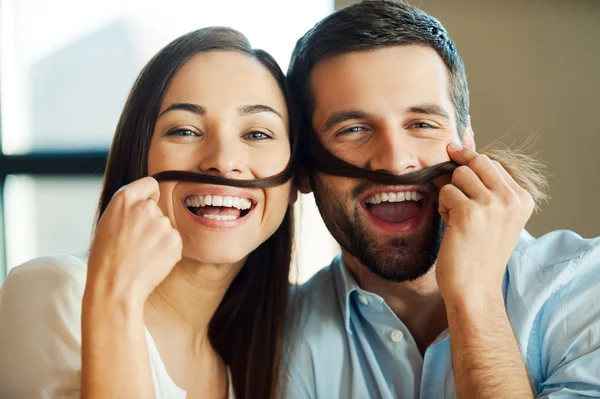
pixel 185 286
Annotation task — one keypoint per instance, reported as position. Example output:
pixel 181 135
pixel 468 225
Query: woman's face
pixel 224 114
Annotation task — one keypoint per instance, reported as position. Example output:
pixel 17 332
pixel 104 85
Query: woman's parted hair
pixel 247 328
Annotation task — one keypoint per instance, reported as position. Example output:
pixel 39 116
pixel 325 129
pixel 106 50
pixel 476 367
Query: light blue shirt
pixel 349 344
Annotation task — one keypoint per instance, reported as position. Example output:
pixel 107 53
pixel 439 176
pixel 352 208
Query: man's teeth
pixel 217 200
pixel 395 197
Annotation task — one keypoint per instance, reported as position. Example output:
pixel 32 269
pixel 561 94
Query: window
pixel 66 67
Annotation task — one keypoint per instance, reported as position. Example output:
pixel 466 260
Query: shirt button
pixel 363 300
pixel 397 335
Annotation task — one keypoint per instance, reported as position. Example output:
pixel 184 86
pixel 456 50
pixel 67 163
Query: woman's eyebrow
pixel 257 108
pixel 200 110
pixel 195 108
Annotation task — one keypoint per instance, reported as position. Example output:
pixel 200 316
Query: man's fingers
pixel 481 164
pixel 451 197
pixel 469 183
pixel 459 154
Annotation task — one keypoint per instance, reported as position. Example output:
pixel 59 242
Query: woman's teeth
pixel 395 197
pixel 219 217
pixel 216 200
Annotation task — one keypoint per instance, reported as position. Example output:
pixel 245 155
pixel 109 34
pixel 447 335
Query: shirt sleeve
pixel 570 333
pixel 40 330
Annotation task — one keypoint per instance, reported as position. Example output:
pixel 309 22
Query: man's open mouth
pixel 218 207
pixel 395 207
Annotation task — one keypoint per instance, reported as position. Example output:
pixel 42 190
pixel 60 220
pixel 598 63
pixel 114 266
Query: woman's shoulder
pixel 41 287
pixel 40 318
pixel 50 271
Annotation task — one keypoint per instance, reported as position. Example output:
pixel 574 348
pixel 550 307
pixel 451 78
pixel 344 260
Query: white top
pixel 40 333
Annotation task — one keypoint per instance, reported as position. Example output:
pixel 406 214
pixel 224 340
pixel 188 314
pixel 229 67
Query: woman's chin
pixel 212 257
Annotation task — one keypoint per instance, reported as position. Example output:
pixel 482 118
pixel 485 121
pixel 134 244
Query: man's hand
pixel 485 211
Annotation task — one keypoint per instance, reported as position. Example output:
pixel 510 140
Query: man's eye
pixel 257 136
pixel 422 125
pixel 183 133
pixel 351 130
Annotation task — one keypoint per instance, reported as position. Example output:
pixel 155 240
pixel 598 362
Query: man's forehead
pixel 406 75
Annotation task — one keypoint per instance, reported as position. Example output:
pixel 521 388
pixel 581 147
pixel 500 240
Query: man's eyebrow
pixel 257 108
pixel 428 109
pixel 343 116
pixel 195 108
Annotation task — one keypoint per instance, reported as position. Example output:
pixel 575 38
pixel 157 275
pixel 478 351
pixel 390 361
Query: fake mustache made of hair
pixel 526 170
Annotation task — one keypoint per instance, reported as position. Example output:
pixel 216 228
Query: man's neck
pixel 418 303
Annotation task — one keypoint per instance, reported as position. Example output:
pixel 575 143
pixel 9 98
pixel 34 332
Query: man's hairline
pixel 311 103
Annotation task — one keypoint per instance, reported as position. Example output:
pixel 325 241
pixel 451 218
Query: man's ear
pixel 469 136
pixel 302 182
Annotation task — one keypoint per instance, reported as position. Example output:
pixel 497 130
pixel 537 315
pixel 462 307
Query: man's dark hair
pixel 371 25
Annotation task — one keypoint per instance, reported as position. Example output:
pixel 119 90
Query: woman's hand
pixel 135 247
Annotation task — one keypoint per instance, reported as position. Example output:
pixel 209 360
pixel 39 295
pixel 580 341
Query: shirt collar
pixel 345 285
pixel 348 290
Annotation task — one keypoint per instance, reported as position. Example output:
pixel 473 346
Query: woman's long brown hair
pixel 247 328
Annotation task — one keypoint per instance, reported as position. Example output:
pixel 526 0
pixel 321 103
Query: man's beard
pixel 396 259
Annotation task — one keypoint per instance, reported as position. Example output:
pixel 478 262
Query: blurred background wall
pixel 533 66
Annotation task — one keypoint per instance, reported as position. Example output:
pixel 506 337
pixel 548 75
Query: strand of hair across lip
pixel 321 161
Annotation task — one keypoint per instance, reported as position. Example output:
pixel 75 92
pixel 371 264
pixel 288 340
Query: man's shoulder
pixel 317 307
pixel 318 298
pixel 552 298
pixel 553 270
pixel 556 247
pixel 317 338
pixel 553 262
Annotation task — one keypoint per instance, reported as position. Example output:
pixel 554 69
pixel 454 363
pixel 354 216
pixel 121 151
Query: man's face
pixel 386 110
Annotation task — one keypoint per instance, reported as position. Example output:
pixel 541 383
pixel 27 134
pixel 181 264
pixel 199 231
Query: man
pixel 438 291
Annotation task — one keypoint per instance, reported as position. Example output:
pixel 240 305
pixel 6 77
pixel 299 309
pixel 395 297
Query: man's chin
pixel 400 257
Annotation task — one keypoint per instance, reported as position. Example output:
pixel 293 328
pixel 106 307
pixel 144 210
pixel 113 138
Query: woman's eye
pixel 183 133
pixel 257 136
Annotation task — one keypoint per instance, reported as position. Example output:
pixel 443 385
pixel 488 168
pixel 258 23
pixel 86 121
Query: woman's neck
pixel 189 297
pixel 178 313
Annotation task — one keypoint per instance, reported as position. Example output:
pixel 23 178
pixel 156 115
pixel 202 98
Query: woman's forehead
pixel 225 80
